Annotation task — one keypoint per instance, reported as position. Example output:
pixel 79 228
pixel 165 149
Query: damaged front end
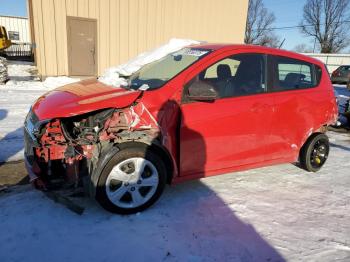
pixel 65 152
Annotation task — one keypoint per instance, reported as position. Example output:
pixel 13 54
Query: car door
pixel 231 130
pixel 296 105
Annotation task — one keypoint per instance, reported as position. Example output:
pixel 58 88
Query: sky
pixel 13 7
pixel 287 12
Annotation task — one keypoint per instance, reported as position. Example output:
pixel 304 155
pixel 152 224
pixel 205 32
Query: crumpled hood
pixel 82 97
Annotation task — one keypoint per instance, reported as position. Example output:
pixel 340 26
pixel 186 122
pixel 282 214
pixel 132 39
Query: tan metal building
pixel 84 37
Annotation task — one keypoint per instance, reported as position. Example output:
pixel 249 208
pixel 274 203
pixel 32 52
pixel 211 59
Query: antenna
pixel 282 43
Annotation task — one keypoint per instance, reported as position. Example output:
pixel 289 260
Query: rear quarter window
pixel 292 74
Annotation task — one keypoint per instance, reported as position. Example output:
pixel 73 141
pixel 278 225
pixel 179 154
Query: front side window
pixel 157 73
pixel 237 75
pixel 293 74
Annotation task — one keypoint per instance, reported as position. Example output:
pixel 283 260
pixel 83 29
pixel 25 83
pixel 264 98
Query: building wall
pixel 332 61
pixel 127 27
pixel 17 24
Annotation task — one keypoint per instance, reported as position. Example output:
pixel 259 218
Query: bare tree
pixel 326 21
pixel 271 40
pixel 259 22
pixel 302 48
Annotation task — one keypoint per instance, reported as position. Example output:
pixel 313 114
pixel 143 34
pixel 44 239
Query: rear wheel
pixel 131 181
pixel 314 153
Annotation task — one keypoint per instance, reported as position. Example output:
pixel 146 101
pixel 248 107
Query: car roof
pixel 256 48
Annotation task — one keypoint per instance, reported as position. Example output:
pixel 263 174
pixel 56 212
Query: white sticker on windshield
pixel 191 52
pixel 195 52
pixel 144 87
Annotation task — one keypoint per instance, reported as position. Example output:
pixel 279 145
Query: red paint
pixel 64 102
pixel 208 138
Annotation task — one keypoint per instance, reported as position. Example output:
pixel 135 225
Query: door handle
pixel 92 51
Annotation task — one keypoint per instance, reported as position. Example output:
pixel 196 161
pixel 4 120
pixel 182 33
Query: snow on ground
pixel 16 98
pixel 269 214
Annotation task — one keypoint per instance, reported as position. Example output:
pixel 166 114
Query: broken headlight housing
pixel 33 126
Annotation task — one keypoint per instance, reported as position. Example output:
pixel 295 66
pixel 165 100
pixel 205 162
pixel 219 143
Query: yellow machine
pixel 4 41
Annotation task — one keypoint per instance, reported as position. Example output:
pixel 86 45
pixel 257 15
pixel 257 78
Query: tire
pixel 122 189
pixel 314 152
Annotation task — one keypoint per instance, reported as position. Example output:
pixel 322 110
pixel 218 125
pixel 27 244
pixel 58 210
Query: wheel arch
pixel 308 138
pixel 311 133
pixel 111 149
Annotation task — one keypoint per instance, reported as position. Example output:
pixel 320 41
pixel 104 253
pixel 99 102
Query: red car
pixel 201 111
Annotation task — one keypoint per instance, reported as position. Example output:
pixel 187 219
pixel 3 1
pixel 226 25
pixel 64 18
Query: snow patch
pixel 54 82
pixel 113 75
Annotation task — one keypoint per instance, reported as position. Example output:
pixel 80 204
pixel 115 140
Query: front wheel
pixel 132 180
pixel 314 152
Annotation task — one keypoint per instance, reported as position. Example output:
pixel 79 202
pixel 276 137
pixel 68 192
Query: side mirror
pixel 202 91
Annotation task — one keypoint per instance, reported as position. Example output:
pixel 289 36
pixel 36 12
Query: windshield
pixel 157 73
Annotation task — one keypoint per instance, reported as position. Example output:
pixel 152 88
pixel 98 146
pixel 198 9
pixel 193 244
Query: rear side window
pixel 291 74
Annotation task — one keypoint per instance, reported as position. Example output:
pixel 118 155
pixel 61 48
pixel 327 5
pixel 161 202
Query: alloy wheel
pixel 132 182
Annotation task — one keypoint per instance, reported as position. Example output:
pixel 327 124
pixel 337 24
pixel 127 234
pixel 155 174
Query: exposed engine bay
pixel 65 151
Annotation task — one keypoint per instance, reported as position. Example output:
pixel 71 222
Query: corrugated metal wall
pixel 128 27
pixel 17 24
pixel 332 61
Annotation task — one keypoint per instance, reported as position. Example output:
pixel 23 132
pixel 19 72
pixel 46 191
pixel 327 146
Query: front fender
pixel 107 153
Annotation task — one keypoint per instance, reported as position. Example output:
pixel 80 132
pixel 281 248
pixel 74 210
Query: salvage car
pixel 204 110
pixel 341 75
